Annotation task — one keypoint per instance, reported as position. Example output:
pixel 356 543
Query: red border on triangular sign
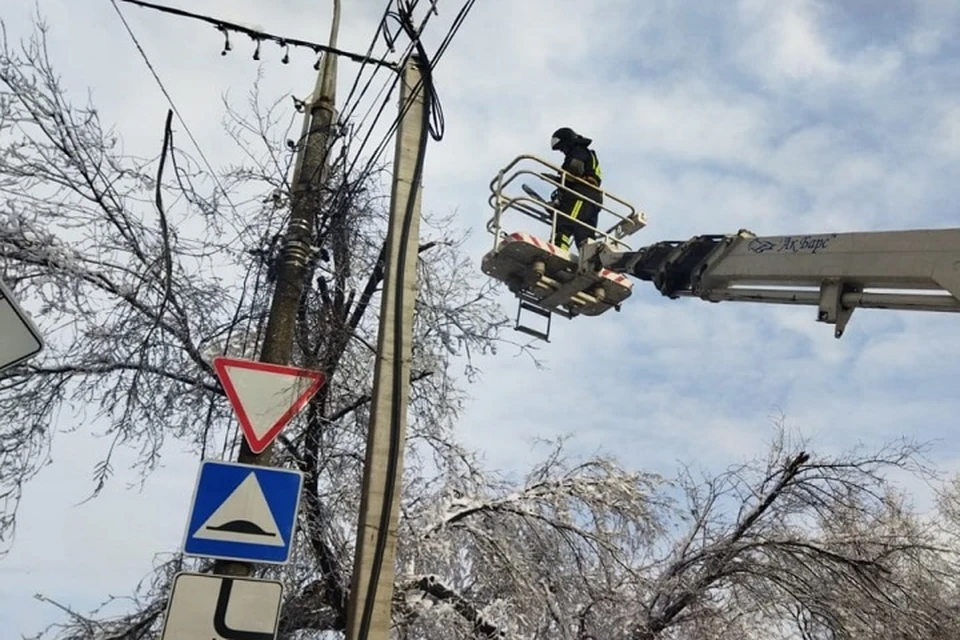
pixel 220 364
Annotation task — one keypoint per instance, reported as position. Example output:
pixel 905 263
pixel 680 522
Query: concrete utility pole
pixel 309 176
pixel 368 613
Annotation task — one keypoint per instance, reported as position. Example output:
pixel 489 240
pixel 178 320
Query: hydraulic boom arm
pixel 837 272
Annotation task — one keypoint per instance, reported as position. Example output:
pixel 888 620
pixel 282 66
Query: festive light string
pixel 259 36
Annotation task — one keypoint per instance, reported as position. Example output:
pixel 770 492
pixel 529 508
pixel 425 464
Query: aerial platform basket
pixel 546 278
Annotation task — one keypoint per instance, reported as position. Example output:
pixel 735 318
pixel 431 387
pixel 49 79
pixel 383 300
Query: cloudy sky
pixel 794 116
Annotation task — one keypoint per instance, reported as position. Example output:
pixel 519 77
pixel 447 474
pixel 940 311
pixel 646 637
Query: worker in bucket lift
pixel 581 162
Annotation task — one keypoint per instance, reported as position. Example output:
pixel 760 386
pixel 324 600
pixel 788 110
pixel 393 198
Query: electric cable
pixel 373 44
pixel 414 34
pixel 454 29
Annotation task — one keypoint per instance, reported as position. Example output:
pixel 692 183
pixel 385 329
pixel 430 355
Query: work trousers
pixel 582 211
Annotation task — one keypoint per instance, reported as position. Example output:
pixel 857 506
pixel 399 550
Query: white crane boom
pixel 837 272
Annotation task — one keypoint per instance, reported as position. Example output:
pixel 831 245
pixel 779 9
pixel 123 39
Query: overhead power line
pixel 434 109
pixel 258 36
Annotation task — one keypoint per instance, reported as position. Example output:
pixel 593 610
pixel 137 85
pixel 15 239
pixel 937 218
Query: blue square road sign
pixel 243 512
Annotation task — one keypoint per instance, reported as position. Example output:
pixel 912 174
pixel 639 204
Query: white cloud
pixel 787 41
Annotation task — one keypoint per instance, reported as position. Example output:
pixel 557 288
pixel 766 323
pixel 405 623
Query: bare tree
pixel 143 269
pixel 801 546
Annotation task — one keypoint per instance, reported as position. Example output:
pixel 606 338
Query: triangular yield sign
pixel 265 396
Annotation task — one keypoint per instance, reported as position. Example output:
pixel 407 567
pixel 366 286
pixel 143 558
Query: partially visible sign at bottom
pixel 209 607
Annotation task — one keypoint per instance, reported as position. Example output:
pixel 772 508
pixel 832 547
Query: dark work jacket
pixel 583 163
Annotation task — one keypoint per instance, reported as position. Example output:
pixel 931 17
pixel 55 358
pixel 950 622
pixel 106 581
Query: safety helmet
pixel 562 137
pixel 565 136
